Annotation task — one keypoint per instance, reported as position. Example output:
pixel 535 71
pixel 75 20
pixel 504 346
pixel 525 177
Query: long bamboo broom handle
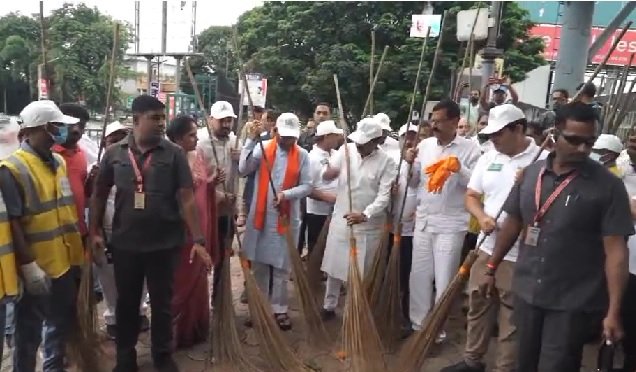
pixel 609 53
pixel 375 80
pixel 239 126
pixel 371 65
pixel 621 100
pixel 438 48
pixel 111 82
pixel 617 98
pixel 466 54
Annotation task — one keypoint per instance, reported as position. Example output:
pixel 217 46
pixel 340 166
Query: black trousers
pixel 225 226
pixel 406 260
pixel 314 223
pixel 303 226
pixel 629 324
pixel 131 269
pixel 549 340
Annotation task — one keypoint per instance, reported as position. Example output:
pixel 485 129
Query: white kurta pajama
pixel 440 225
pixel 266 248
pixel 371 179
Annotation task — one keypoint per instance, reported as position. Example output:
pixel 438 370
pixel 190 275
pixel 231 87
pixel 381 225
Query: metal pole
pixel 45 75
pixel 490 52
pixel 575 38
pixel 137 9
pixel 177 75
pixel 149 58
pixel 164 27
pixel 610 29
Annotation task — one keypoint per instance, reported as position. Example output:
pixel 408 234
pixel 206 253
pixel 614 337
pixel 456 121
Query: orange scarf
pixel 292 174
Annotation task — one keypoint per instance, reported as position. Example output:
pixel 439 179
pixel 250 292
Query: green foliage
pixel 79 40
pixel 300 45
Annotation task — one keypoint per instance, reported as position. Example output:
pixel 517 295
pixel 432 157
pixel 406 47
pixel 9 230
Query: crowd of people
pixel 158 207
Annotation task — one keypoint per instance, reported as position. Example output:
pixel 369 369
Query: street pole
pixel 164 27
pixel 178 75
pixel 149 58
pixel 490 52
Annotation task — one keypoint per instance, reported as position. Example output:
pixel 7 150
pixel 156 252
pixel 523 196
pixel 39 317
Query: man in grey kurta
pixel 266 247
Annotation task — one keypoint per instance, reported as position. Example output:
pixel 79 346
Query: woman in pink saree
pixel 190 303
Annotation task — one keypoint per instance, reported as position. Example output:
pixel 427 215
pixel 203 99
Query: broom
pixel 387 305
pixel 360 337
pixel 415 351
pixel 317 334
pixel 84 345
pixel 226 348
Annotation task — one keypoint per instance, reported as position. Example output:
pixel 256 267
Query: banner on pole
pixel 421 22
pixel 257 88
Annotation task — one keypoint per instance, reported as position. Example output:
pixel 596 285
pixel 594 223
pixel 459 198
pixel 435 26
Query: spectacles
pixel 578 140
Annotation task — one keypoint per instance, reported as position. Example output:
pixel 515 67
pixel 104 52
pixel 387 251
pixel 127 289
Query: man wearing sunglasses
pixel 573 216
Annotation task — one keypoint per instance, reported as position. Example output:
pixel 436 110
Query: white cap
pixel 288 125
pixel 328 127
pixel 366 130
pixel 39 113
pixel 384 120
pixel 608 142
pixel 114 127
pixel 222 110
pixel 500 116
pixel 411 128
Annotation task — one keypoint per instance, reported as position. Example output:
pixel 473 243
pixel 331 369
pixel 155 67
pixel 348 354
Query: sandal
pixel 284 323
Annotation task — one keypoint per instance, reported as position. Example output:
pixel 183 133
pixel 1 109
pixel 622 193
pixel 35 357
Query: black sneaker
pixel 111 331
pixel 464 367
pixel 144 323
pixel 166 365
pixel 327 314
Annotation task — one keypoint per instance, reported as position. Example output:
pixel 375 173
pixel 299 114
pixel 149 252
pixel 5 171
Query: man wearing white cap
pixel 489 186
pixel 226 164
pixel 372 172
pixel 387 143
pixel 442 166
pixel 47 242
pixel 321 200
pixel 264 241
pixel 606 150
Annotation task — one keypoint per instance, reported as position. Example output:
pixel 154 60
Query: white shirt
pixel 90 149
pixel 444 212
pixel 371 179
pixel 410 203
pixel 392 147
pixel 318 160
pixel 629 179
pixel 493 177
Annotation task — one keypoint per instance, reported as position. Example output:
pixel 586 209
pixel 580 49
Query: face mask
pixel 62 135
pixel 601 159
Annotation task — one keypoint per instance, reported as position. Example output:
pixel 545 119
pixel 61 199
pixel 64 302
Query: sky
pixel 209 13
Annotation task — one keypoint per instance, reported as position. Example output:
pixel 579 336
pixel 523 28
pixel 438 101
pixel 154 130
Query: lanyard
pixel 139 178
pixel 542 210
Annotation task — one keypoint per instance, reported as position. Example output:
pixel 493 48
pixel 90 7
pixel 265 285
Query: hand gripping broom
pixel 416 349
pixel 360 337
pixel 225 348
pixel 386 304
pixel 84 344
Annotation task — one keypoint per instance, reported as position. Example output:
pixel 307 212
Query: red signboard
pixel 551 35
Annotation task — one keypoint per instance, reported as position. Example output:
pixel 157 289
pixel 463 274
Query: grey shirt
pixel 160 224
pixel 566 270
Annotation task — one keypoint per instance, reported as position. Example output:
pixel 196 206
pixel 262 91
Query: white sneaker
pixel 441 337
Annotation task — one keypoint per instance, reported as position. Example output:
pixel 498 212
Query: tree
pixel 298 46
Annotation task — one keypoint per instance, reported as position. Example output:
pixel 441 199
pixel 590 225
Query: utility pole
pixel 137 20
pixel 575 41
pixel 490 52
pixel 164 27
pixel 193 31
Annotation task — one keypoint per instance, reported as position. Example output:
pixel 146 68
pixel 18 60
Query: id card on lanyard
pixel 533 232
pixel 140 196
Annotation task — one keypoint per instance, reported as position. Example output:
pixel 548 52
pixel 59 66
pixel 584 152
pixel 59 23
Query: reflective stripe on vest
pixel 50 218
pixel 8 268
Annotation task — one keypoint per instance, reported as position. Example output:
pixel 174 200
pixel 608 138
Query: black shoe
pixel 463 367
pixel 327 314
pixel 111 331
pixel 99 297
pixel 406 332
pixel 244 297
pixel 144 323
pixel 166 365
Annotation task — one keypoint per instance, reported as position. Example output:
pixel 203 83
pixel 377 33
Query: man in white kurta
pixel 441 219
pixel 372 174
pixel 266 248
pixel 388 144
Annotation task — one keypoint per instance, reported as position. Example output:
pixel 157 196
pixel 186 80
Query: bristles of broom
pixel 225 340
pixel 274 348
pixel 415 351
pixel 372 282
pixel 316 333
pixel 84 347
pixel 388 312
pixel 314 262
pixel 360 337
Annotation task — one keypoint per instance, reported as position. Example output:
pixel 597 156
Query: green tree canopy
pixel 298 46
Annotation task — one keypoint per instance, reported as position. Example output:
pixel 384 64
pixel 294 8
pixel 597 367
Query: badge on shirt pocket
pixel 65 187
pixel 495 167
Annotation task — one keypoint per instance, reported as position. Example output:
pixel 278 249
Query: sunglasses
pixel 578 140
